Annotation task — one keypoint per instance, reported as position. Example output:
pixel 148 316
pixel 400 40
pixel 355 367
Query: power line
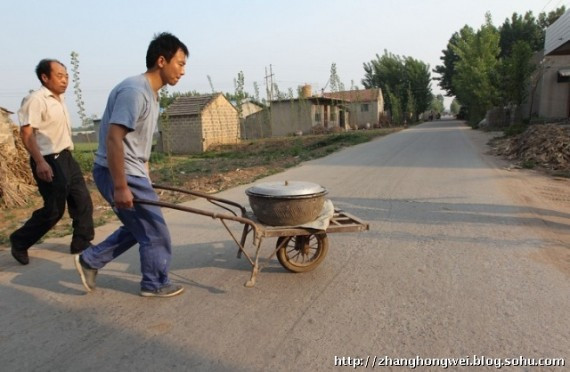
pixel 544 7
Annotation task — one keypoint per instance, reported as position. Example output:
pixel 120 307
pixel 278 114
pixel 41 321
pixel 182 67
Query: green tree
pixel 256 91
pixel 437 104
pixel 396 109
pixel 334 80
pixel 419 95
pixel 520 28
pixel 517 28
pixel 446 71
pixel 475 80
pixel 240 95
pixel 410 112
pixel 517 69
pixel 546 19
pixel 404 81
pixel 85 121
pixel 454 107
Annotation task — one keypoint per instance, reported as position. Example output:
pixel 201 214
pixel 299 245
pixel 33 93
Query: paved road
pixel 452 266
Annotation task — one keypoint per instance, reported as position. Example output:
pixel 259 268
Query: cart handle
pixel 212 199
pixel 202 212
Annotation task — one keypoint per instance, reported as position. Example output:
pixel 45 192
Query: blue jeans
pixel 144 224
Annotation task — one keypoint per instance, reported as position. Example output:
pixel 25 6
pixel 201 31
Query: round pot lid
pixel 285 188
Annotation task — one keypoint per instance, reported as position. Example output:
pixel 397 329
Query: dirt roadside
pixel 546 199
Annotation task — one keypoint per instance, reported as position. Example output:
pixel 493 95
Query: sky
pixel 298 40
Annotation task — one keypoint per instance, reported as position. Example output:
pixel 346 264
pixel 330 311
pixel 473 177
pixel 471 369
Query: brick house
pixel 193 124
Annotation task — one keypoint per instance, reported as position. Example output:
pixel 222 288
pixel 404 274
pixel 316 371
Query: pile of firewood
pixel 546 146
pixel 16 180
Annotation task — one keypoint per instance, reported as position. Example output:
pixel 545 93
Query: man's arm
pixel 43 169
pixel 123 197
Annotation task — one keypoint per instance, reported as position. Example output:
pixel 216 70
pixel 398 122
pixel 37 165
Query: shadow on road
pixel 432 212
pixel 50 333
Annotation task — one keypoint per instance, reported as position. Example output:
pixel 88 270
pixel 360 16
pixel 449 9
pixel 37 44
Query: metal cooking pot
pixel 286 203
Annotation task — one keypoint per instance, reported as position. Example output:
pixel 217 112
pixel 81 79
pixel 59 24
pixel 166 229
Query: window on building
pixel 364 107
pixel 333 115
pixel 317 116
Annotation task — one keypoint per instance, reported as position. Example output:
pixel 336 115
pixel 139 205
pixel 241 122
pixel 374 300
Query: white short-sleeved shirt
pixel 50 120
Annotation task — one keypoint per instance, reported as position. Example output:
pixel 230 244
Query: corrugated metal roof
pixel 191 105
pixel 557 36
pixel 364 95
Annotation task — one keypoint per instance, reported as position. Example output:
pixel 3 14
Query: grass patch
pixel 84 154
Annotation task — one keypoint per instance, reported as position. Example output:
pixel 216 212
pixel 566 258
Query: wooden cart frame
pixel 298 249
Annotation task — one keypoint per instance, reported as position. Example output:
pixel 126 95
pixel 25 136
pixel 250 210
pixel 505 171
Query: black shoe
pixel 86 273
pixel 21 256
pixel 166 291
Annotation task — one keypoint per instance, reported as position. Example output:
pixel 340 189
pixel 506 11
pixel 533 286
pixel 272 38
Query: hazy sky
pixel 299 38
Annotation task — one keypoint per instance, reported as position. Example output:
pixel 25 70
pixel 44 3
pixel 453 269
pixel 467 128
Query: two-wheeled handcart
pixel 298 249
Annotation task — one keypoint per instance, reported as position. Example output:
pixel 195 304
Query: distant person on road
pixel 45 128
pixel 121 171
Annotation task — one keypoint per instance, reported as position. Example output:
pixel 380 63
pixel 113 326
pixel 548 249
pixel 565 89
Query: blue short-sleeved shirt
pixel 134 105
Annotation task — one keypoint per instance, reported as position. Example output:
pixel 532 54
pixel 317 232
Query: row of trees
pixel 405 84
pixel 493 66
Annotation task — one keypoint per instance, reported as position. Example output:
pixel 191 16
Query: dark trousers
pixel 67 186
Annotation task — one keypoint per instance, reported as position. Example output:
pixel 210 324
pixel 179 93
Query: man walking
pixel 121 171
pixel 45 129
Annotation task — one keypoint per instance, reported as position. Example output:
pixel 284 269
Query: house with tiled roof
pixel 366 106
pixel 192 124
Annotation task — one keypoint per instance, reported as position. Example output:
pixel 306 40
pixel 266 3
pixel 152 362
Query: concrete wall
pixel 554 95
pixel 257 125
pixel 220 123
pixel 289 117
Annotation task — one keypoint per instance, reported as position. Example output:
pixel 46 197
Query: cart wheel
pixel 302 253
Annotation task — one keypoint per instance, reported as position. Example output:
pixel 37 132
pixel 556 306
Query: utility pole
pixel 269 83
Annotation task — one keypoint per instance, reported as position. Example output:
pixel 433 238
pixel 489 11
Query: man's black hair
pixel 44 68
pixel 164 44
